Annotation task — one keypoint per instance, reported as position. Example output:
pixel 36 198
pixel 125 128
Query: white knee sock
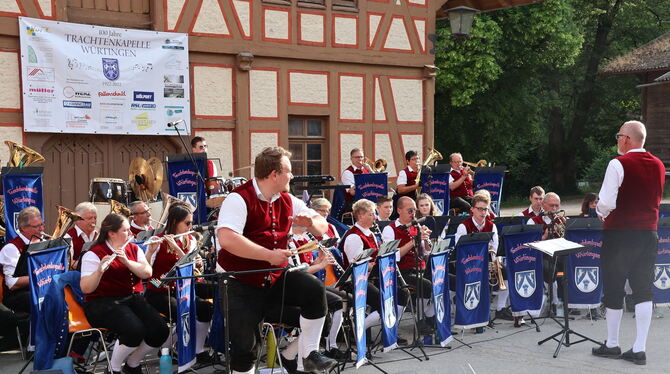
pixel 119 355
pixel 371 319
pixel 250 371
pixel 613 317
pixel 291 349
pixel 201 331
pixel 334 329
pixel 310 335
pixel 138 354
pixel 503 295
pixel 172 338
pixel 428 308
pixel 643 312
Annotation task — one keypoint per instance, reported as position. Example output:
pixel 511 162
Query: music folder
pixel 441 246
pixel 557 247
pixel 21 269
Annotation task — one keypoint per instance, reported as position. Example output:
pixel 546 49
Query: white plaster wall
pixel 373 26
pixel 10 89
pixel 219 145
pixel 12 133
pixel 261 140
pixel 9 6
pixel 174 8
pixel 413 142
pixel 213 90
pixel 380 114
pixel 408 99
pixel 46 7
pixel 263 93
pixel 351 97
pixel 210 19
pixel 420 27
pixel 276 24
pixel 311 28
pixel 308 88
pixel 397 36
pixel 383 149
pixel 347 143
pixel 345 29
pixel 243 9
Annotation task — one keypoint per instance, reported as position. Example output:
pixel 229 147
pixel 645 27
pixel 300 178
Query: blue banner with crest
pixel 492 182
pixel 388 279
pixel 21 188
pixel 360 276
pixel 437 186
pixel 185 184
pixel 186 322
pixel 371 186
pixel 42 267
pixel 441 300
pixel 472 285
pixel 524 272
pixel 662 268
pixel 583 269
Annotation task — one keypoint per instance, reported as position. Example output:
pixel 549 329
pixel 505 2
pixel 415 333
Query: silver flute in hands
pixel 106 264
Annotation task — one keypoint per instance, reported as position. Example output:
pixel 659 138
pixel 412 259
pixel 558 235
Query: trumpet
pixel 324 250
pixel 495 273
pixel 160 240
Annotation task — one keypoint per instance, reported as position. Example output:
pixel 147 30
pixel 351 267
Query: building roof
pixel 663 78
pixel 482 5
pixel 652 56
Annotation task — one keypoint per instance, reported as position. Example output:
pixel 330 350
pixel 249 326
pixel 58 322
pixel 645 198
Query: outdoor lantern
pixel 461 18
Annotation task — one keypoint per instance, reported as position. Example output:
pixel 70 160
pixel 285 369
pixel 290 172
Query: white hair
pixel 638 132
pixel 85 207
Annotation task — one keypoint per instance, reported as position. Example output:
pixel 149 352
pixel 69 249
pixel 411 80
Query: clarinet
pixel 324 250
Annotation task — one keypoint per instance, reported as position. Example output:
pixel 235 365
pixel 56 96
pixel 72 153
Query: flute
pixel 325 251
pixel 106 264
pixel 159 240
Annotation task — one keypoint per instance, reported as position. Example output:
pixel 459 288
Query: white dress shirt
pixel 353 244
pixel 402 176
pixel 461 230
pixel 348 176
pixel 9 257
pixel 610 188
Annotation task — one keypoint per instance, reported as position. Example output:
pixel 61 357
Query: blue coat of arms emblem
pixel 110 68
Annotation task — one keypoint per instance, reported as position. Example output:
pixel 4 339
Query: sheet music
pixel 555 246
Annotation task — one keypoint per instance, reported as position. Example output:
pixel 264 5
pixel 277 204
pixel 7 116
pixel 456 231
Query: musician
pixel 322 206
pixel 357 167
pixel 479 223
pixel 384 208
pixel 426 206
pixel 356 240
pixel 140 220
pixel 114 295
pixel 629 200
pixel 253 232
pixel 199 145
pixel 83 230
pixel 17 290
pixel 536 196
pixel 484 192
pixel 407 185
pixel 412 270
pixel 589 205
pixel 162 257
pixel 460 183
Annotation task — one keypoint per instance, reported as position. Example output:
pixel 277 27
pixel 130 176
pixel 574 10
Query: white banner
pixel 103 80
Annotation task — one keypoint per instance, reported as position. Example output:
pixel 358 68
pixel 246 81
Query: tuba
pixel 21 156
pixel 168 201
pixel 119 208
pixel 378 166
pixel 66 219
pixel 433 157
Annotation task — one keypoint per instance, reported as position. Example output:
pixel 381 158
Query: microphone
pixel 175 123
pixel 204 227
pixel 301 267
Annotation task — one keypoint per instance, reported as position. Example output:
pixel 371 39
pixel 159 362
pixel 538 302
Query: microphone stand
pixel 199 176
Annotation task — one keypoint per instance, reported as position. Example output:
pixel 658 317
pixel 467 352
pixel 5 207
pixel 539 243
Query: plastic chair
pixel 79 325
pixel 18 332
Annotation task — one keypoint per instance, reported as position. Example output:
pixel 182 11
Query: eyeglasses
pixel 203 146
pixel 617 136
pixel 37 226
pixel 140 213
pixel 411 210
pixel 361 157
pixel 481 209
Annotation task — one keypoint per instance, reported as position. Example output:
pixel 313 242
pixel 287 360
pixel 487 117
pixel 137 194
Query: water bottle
pixel 165 361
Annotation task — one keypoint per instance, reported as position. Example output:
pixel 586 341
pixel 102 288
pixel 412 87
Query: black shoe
pixel 316 362
pixel 291 366
pixel 402 341
pixel 504 314
pixel 128 370
pixel 479 330
pixel 204 358
pixel 605 351
pixel 335 354
pixel 638 358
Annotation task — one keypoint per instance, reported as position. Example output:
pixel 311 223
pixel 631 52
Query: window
pixel 307 143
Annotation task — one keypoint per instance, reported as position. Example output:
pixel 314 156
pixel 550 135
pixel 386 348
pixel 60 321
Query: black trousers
pixel 167 305
pixel 425 290
pixel 248 306
pixel 130 317
pixel 631 255
pixel 18 300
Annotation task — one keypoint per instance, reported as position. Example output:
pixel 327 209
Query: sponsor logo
pixel 472 295
pixel 76 104
pixel 74 64
pixel 111 84
pixel 172 110
pixel 36 30
pixel 40 74
pixel 173 44
pixel 78 81
pixel 143 121
pixel 136 106
pixel 41 90
pixel 143 96
pixel 70 92
pixel 110 68
pixel 662 276
pixel 524 283
pixel 586 278
pixel 111 93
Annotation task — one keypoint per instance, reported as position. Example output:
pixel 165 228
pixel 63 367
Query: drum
pixel 105 189
pixel 233 183
pixel 215 187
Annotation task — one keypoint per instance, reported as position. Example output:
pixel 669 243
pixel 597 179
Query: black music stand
pixel 383 224
pixel 21 269
pixel 555 248
pixel 454 221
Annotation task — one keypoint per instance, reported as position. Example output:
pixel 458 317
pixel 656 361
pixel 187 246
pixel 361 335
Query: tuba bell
pixel 66 219
pixel 21 156
pixel 119 208
pixel 433 156
pixel 378 166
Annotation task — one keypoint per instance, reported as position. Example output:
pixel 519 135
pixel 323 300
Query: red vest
pixel 18 242
pixel 368 242
pixel 136 231
pixel 539 220
pixel 165 261
pixel 211 169
pixel 411 180
pixel 77 243
pixel 465 189
pixel 640 193
pixel 470 226
pixel 305 258
pixel 347 196
pixel 268 226
pixel 528 213
pixel 117 280
pixel 408 261
pixel 330 233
